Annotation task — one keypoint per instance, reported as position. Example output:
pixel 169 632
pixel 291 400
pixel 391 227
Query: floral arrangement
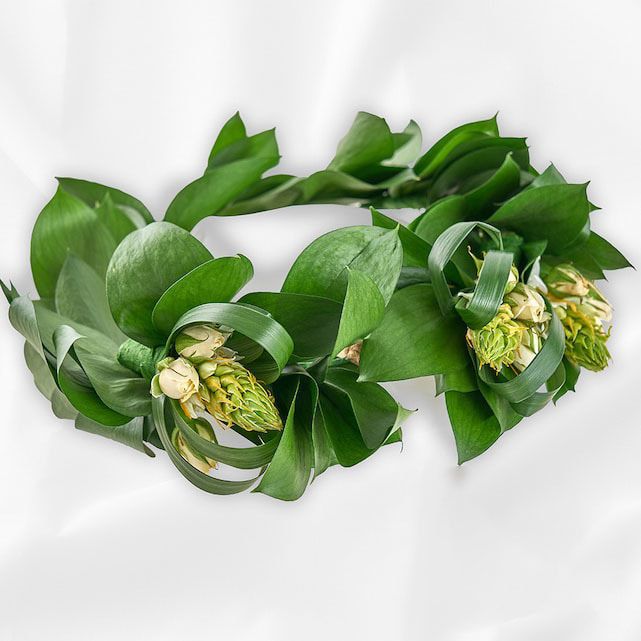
pixel 139 334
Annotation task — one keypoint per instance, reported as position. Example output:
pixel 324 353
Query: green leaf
pixel 232 131
pixel 374 409
pixel 130 434
pixel 143 267
pixel 488 292
pixel 362 311
pixel 216 281
pixel 262 145
pixel 436 155
pixel 194 476
pixel 460 380
pixel 66 225
pixel 94 193
pixel 335 187
pixel 75 385
pixel 209 194
pixel 605 254
pixel 369 141
pixel 249 321
pixel 321 269
pixel 341 427
pixel 556 213
pixel 80 295
pixel 414 339
pixel 311 321
pixel 118 387
pixel 474 425
pixel 469 166
pixel 444 249
pixel 288 475
pixel 407 146
pixel 415 249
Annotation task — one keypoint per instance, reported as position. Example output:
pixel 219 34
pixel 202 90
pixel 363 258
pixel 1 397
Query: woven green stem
pixel 140 358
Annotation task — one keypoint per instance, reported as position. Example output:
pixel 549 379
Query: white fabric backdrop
pixel 538 539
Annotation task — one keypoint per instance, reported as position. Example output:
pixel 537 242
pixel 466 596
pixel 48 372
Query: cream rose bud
pixel 512 280
pixel 599 309
pixel 564 280
pixel 527 304
pixel 530 346
pixel 176 379
pixel 200 342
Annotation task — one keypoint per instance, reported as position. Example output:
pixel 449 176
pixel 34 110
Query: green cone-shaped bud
pixel 200 342
pixel 236 397
pixel 585 338
pixel 200 462
pixel 497 343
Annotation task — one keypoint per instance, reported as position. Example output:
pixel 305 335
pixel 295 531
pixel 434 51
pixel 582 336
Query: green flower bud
pixel 497 343
pixel 200 342
pixel 585 338
pixel 527 304
pixel 202 463
pixel 236 397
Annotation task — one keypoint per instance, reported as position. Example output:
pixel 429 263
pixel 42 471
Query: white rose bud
pixel 176 379
pixel 200 342
pixel 530 346
pixel 527 304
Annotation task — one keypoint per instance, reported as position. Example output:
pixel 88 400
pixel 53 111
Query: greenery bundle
pixel 139 336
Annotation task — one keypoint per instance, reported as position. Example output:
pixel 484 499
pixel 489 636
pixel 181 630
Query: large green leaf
pixel 363 310
pixel 215 281
pixel 321 269
pixel 556 213
pixel 143 267
pixel 414 339
pixel 415 249
pixel 94 193
pixel 131 434
pixel 80 295
pixel 76 386
pixel 374 409
pixel 289 472
pixel 67 225
pixel 368 142
pixel 436 155
pixel 311 321
pixel 474 425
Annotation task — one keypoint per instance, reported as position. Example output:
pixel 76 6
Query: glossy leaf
pixel 321 269
pixel 215 281
pixel 66 225
pixel 143 267
pixel 362 310
pixel 311 321
pixel 80 295
pixel 556 213
pixel 414 339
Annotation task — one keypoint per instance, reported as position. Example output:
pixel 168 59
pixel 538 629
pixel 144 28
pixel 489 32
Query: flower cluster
pixel 583 310
pixel 515 335
pixel 206 377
